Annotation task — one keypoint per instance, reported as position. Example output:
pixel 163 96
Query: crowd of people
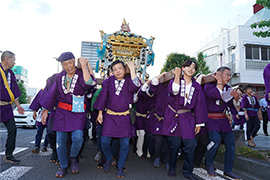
pixel 181 115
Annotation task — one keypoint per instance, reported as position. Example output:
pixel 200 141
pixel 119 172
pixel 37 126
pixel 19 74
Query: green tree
pixel 202 67
pixel 23 99
pixel 174 60
pixel 263 24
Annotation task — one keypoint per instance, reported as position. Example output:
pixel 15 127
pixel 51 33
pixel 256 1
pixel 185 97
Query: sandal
pixel 251 144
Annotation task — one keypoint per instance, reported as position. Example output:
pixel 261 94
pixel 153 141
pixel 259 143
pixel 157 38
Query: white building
pixel 88 50
pixel 245 54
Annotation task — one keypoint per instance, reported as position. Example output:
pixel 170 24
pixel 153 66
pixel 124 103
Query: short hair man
pixel 69 90
pixel 10 91
pixel 116 96
pixel 219 96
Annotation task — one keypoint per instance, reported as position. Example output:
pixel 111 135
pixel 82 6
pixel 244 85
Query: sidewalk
pixel 262 141
pixel 260 169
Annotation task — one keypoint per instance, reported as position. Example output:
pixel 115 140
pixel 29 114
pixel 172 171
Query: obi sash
pixel 139 114
pixel 252 109
pixel 67 106
pixel 158 117
pixel 217 115
pixel 181 111
pixel 110 112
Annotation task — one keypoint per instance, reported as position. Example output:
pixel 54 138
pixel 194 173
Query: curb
pixel 255 167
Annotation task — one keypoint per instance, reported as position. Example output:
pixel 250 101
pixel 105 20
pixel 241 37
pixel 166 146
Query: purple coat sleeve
pixel 200 108
pixel 35 103
pixel 266 77
pixel 101 100
pixel 49 99
pixel 211 93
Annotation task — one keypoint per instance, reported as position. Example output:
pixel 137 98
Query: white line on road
pixel 33 142
pixel 3 131
pixel 17 150
pixel 14 172
pixel 202 173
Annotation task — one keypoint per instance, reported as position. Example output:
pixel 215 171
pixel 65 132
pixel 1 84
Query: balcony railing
pixel 260 65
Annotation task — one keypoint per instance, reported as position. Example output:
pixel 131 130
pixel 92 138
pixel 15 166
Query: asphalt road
pixel 34 166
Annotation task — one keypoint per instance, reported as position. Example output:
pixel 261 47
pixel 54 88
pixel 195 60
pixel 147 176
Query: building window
pixel 257 53
pixel 248 52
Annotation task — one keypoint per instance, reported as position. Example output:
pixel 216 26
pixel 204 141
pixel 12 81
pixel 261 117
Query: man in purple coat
pixel 69 90
pixel 219 96
pixel 266 77
pixel 9 92
pixel 117 96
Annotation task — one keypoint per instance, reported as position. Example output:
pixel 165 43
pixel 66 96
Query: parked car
pixel 25 120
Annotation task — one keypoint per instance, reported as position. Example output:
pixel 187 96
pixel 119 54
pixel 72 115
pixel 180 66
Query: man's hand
pixel 83 61
pixel 100 117
pixel 177 71
pixel 218 77
pixel 197 129
pixel 35 115
pixel 246 116
pixel 44 115
pixel 131 66
pixel 237 116
pixel 20 110
pixel 235 95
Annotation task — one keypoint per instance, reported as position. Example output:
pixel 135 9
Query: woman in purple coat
pixel 184 116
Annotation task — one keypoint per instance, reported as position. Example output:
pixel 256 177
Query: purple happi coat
pixel 247 103
pixel 215 104
pixel 162 97
pixel 35 105
pixel 266 77
pixel 116 96
pixel 66 121
pixel 6 111
pixel 142 106
pixel 184 124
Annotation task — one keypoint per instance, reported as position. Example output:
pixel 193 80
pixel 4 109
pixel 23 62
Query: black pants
pixel 51 134
pixel 148 144
pixel 189 147
pixel 202 141
pixel 253 126
pixel 161 148
pixel 265 122
pixel 11 136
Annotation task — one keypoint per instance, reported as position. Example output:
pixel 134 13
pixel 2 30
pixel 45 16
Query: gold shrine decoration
pixel 128 51
pixel 118 39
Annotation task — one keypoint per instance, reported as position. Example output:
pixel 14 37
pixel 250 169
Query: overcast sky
pixel 38 30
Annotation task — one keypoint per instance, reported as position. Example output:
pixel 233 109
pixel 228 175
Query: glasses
pixel 227 74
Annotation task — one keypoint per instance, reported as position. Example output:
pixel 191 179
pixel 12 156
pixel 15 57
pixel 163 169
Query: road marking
pixel 14 172
pixel 1 131
pixel 222 173
pixel 17 150
pixel 202 173
pixel 33 142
